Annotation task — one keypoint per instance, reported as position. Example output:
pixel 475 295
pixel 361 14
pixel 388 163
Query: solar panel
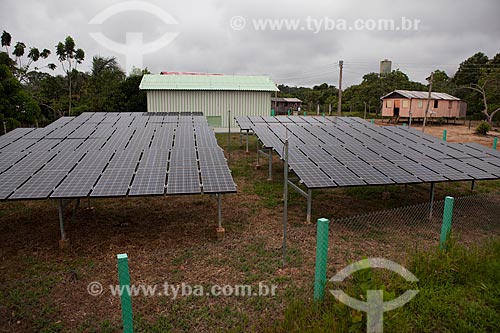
pixel 12 180
pixel 183 180
pixel 341 175
pixel 40 185
pixel 312 176
pixel 216 179
pixel 339 151
pixel 149 181
pixel 114 154
pixel 77 184
pixel 113 183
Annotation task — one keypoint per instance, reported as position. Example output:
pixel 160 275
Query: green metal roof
pixel 207 82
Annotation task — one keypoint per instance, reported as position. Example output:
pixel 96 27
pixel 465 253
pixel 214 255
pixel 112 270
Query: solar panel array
pixel 342 151
pixel 113 154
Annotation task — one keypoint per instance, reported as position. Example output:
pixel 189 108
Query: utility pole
pixel 339 110
pixel 428 101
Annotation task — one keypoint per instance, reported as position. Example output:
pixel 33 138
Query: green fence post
pixel 323 115
pixel 321 258
pixel 444 134
pixel 272 112
pixel 289 112
pixel 404 124
pixel 495 141
pixel 305 113
pixel 373 121
pixel 447 218
pixel 124 278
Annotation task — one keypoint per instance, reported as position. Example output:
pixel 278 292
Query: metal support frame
pixel 431 202
pixel 228 136
pixel 472 185
pixel 285 200
pixel 61 219
pixel 269 155
pixel 270 164
pixel 247 141
pixel 61 205
pixel 307 195
pixel 219 209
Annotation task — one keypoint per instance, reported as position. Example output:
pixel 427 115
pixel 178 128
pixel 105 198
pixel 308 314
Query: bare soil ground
pixel 173 239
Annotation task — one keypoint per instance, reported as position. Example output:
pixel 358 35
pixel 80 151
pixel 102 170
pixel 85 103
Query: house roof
pixel 207 82
pixel 421 95
pixel 286 99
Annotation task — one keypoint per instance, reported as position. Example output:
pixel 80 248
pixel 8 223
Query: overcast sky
pixel 218 36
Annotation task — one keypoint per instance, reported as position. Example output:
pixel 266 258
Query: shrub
pixel 483 128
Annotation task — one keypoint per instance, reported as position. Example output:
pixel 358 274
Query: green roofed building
pixel 212 94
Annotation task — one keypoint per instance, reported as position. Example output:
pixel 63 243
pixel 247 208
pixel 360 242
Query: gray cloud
pixel 449 31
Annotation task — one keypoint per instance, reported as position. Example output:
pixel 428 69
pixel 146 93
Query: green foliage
pixel 483 128
pixel 6 39
pixel 15 102
pixel 375 86
pixel 103 91
pixel 458 292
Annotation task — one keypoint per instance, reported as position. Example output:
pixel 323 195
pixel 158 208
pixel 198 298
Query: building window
pixel 450 103
pixel 405 103
pixel 214 121
pixel 388 103
pixel 420 103
pixel 436 104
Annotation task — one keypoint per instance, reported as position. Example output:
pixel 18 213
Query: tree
pixel 23 69
pixel 443 83
pixel 15 103
pixel 6 40
pixel 69 55
pixel 103 88
pixel 482 90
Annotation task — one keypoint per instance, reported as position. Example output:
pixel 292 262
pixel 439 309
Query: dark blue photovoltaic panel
pixel 353 152
pixel 114 154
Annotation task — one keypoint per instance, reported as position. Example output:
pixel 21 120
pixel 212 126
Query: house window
pixel 450 103
pixel 214 121
pixel 436 104
pixel 420 103
pixel 388 103
pixel 406 103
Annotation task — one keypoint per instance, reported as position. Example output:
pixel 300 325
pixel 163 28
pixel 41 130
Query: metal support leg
pixel 309 204
pixel 472 185
pixel 220 230
pixel 219 210
pixel 270 164
pixel 88 204
pixel 61 220
pixel 247 142
pixel 285 200
pixel 258 156
pixel 431 203
pixel 241 139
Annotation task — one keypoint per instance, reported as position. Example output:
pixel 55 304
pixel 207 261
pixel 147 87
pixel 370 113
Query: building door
pixel 397 105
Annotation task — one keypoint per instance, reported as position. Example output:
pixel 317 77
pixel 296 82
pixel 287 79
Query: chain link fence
pixel 395 233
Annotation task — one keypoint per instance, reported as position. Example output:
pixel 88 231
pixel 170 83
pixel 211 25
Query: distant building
pixel 385 66
pixel 399 103
pixel 281 105
pixel 212 94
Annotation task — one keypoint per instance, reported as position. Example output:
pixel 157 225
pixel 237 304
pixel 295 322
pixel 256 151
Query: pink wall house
pixel 401 102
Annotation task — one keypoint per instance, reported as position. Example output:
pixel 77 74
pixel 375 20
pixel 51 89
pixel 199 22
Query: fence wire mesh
pixel 395 233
